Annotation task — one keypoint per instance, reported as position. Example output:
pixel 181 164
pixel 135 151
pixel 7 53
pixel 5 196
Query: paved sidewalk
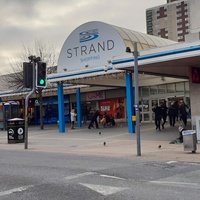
pixel 119 143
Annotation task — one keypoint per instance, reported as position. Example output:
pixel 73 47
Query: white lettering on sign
pixel 91 49
pixel 105 108
pixel 90 58
pixel 95 95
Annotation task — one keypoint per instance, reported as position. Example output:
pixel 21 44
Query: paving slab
pixel 118 142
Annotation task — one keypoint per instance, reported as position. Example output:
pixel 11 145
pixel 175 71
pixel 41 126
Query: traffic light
pixel 41 74
pixel 28 74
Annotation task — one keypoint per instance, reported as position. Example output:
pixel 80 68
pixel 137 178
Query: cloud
pixel 24 21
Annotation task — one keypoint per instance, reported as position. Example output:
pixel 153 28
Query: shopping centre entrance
pixel 93 61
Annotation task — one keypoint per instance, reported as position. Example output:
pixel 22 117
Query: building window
pixel 163 33
pixel 145 91
pixel 149 19
pixel 145 105
pixel 153 90
pixel 170 88
pixel 161 13
pixel 186 86
pixel 179 87
pixel 180 37
pixel 146 117
pixel 161 89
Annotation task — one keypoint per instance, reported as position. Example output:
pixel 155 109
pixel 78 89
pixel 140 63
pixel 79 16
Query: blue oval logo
pixel 86 36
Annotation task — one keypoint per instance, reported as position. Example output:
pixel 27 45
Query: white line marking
pixel 172 161
pixel 173 183
pixel 20 189
pixel 79 175
pixel 104 189
pixel 114 177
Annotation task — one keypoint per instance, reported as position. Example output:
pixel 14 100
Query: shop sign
pixel 95 96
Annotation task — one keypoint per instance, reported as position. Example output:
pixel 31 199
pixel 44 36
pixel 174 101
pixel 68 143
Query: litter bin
pixel 15 130
pixel 189 140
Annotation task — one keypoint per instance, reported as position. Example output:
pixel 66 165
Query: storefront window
pixel 186 86
pixel 145 91
pixel 153 90
pixel 171 88
pixel 50 110
pixel 179 87
pixel 154 103
pixel 145 105
pixel 146 117
pixel 161 89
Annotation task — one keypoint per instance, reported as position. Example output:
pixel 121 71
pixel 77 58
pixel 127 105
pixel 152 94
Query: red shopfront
pixel 113 107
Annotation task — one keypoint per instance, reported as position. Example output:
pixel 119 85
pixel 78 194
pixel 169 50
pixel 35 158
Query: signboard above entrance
pixel 90 45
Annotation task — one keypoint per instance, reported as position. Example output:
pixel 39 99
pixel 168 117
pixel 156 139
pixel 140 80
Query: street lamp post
pixel 137 111
pixel 136 106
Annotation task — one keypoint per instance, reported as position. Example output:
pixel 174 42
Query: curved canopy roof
pixel 89 49
pixel 92 44
pixel 144 41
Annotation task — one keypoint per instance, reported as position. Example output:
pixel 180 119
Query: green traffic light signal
pixel 42 81
pixel 41 75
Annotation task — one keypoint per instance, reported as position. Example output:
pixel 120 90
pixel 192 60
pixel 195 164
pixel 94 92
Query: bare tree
pixel 47 53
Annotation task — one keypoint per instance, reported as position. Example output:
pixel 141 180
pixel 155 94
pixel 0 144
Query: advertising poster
pixel 113 107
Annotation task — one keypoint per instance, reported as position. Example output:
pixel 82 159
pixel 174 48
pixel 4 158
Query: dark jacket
pixel 172 111
pixel 158 111
pixel 164 110
pixel 182 110
pixel 95 115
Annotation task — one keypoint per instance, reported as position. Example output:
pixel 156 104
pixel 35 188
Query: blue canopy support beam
pixel 78 102
pixel 61 116
pixel 130 101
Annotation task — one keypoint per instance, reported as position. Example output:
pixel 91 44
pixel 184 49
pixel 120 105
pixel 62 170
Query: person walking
pixel 176 107
pixel 94 119
pixel 183 112
pixel 158 114
pixel 164 110
pixel 172 114
pixel 73 118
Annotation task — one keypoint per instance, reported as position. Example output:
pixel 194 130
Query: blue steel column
pixel 78 103
pixel 130 102
pixel 61 116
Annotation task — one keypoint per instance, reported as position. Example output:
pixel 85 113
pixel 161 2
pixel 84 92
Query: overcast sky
pixel 25 21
